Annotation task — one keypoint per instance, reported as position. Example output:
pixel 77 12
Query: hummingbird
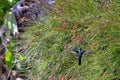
pixel 79 52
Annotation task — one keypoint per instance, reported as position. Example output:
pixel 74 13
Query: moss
pixel 99 30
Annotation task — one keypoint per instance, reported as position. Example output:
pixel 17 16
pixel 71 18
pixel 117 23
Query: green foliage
pixel 20 57
pixel 18 61
pixel 5 5
pixel 12 2
pixel 99 30
pixel 8 59
pixel 11 24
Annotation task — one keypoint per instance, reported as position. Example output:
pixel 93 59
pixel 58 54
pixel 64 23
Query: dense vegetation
pixel 97 24
pixel 5 5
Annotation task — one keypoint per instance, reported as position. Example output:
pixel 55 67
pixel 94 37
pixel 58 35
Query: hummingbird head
pixel 79 51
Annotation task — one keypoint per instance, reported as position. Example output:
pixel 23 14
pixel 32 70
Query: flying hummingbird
pixel 79 53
